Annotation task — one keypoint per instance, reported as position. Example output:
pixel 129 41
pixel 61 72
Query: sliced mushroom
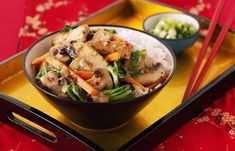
pixel 151 76
pixel 58 51
pixel 101 80
pixel 70 51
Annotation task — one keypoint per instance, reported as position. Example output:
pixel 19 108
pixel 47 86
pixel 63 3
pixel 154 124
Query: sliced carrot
pixel 152 85
pixel 80 82
pixel 133 82
pixel 39 60
pixel 85 74
pixel 113 57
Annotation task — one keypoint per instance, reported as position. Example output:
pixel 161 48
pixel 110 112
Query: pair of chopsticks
pixel 196 78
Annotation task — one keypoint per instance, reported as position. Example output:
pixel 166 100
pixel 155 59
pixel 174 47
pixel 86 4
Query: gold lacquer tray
pixel 128 13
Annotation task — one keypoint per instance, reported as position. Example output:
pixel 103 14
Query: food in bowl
pixel 90 114
pixel 99 64
pixel 179 42
pixel 171 28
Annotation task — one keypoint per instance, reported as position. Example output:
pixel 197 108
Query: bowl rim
pixel 36 85
pixel 178 13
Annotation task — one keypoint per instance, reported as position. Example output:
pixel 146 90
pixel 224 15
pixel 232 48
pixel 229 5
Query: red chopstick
pixel 212 54
pixel 215 49
pixel 202 53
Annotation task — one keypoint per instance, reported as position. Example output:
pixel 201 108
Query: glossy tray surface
pixel 129 13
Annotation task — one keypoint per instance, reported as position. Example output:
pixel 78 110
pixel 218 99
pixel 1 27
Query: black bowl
pixel 90 115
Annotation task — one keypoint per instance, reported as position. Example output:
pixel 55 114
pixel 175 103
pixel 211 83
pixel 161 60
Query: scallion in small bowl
pixel 178 30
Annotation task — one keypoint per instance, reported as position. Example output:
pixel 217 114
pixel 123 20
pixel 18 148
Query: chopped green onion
pixel 122 95
pixel 121 71
pixel 41 73
pixel 113 69
pixel 78 92
pixel 65 88
pixel 71 94
pixel 116 90
pixel 67 28
pixel 170 29
pixel 112 31
pixel 74 91
pixel 119 93
pixel 134 60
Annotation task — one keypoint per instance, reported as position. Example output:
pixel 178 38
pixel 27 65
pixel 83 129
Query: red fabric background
pixel 13 14
pixel 214 129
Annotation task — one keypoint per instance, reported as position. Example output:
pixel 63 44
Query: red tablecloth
pixel 23 22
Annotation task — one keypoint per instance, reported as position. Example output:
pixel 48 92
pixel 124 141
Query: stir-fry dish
pixel 91 64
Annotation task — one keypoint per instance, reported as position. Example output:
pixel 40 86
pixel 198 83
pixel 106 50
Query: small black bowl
pixel 90 115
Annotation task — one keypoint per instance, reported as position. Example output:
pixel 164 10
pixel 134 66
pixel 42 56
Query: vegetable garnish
pixel 113 57
pixel 66 29
pixel 121 71
pixel 70 92
pixel 41 73
pixel 117 72
pixel 133 82
pixel 74 91
pixel 113 69
pixel 80 82
pixel 78 92
pixel 134 60
pixel 112 31
pixel 170 29
pixel 119 93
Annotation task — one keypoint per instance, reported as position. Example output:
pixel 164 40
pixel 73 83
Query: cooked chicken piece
pixel 101 98
pixel 103 35
pixel 106 43
pixel 101 80
pixel 51 81
pixel 151 76
pixel 87 59
pixel 59 38
pixel 78 34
